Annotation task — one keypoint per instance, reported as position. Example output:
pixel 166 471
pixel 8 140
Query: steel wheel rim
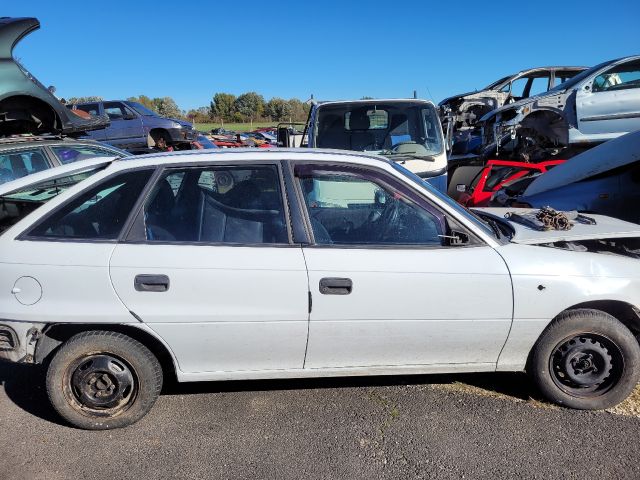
pixel 586 365
pixel 101 384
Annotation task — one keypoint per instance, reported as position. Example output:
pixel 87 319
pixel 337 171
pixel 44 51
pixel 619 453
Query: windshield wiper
pixel 414 156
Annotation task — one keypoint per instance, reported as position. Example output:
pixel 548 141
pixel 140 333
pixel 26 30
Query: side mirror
pixel 129 116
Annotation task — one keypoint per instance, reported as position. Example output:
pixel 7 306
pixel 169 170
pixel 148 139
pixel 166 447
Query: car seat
pixel 359 124
pixel 17 166
pixel 38 162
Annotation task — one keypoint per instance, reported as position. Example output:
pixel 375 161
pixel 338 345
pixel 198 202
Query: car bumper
pixel 18 340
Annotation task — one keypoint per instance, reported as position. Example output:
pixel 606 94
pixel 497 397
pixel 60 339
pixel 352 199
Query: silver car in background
pixel 596 105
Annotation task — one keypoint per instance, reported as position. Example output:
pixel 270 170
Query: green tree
pixel 277 109
pixel 222 106
pixel 298 110
pixel 250 105
pixel 144 100
pixel 74 100
pixel 167 107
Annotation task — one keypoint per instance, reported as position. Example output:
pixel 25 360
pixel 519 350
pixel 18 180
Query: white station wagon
pixel 281 264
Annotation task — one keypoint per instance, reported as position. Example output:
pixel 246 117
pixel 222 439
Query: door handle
pixel 336 286
pixel 151 283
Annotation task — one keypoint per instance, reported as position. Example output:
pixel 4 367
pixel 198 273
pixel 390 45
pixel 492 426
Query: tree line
pixel 224 107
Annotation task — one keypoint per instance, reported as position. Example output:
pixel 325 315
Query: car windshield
pixel 496 84
pixel 142 110
pixel 580 77
pixel 387 127
pixel 475 219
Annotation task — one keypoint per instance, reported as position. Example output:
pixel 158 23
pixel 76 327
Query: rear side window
pixel 91 108
pixel 99 213
pixel 68 154
pixel 14 165
pixel 238 205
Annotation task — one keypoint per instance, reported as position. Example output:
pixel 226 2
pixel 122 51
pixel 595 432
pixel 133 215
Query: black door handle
pixel 151 283
pixel 336 286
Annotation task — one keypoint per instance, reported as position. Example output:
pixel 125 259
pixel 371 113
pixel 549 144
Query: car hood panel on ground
pixel 605 228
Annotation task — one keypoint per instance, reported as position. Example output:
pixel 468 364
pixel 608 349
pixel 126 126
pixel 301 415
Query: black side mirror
pixel 129 116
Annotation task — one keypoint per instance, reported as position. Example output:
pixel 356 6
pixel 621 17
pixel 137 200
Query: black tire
pixel 586 359
pixel 101 380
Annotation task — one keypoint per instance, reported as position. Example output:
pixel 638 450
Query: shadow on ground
pixel 25 386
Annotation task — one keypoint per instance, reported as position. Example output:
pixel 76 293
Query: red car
pixel 481 182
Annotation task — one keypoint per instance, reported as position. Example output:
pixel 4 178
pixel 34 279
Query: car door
pixel 126 126
pixel 93 109
pixel 210 267
pixel 610 102
pixel 386 288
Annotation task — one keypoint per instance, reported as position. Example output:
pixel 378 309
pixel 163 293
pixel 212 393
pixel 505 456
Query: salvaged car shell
pixel 461 113
pixel 27 106
pixel 598 104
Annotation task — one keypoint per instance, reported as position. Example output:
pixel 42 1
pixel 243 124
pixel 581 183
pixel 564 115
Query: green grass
pixel 236 127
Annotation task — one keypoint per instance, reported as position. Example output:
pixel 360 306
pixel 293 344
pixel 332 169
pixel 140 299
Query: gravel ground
pixel 470 426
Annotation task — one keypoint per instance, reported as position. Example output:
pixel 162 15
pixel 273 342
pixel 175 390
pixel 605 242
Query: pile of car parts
pixel 548 218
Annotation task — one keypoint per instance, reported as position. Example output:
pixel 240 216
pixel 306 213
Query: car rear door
pixel 209 265
pixel 386 288
pixel 610 103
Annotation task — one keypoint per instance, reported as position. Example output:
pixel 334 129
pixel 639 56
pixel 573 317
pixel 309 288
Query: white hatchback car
pixel 281 264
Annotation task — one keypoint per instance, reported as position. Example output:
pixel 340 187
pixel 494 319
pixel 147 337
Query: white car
pixel 256 264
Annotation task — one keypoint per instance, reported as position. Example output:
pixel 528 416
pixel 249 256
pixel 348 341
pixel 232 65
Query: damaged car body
pixel 604 180
pixel 27 106
pixel 460 113
pixel 596 105
pixel 167 248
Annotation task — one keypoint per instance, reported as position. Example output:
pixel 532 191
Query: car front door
pixel 386 287
pixel 93 109
pixel 210 267
pixel 126 126
pixel 610 103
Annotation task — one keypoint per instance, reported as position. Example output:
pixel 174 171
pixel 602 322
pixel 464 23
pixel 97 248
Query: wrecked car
pixel 604 180
pixel 596 105
pixel 27 106
pixel 135 127
pixel 386 276
pixel 460 113
pixel 473 186
pixel 25 155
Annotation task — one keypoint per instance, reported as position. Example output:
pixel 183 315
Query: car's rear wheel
pixel 586 359
pixel 101 380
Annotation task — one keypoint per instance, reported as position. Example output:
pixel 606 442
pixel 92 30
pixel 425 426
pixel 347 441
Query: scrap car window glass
pixel 98 214
pixel 620 77
pixel 68 154
pixel 16 165
pixel 350 209
pixel 237 205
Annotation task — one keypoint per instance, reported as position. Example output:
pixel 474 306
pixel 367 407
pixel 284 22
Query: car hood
pixel 605 228
pixel 56 172
pixel 182 122
pixel 607 156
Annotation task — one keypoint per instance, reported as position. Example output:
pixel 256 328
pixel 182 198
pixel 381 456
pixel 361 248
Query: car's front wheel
pixel 586 359
pixel 101 380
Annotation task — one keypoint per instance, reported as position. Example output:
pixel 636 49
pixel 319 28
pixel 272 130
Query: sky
pixel 347 49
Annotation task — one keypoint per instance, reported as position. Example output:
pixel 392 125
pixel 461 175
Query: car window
pixel 237 205
pixel 539 85
pixel 356 208
pixel 99 213
pixel 18 164
pixel 620 77
pixel 91 108
pixel 115 110
pixel 67 154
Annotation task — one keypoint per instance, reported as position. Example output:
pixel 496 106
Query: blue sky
pixel 334 49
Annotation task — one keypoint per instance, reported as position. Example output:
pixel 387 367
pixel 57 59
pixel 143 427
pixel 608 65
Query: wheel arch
pixel 55 335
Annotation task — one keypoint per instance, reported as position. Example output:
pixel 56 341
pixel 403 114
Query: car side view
pixel 236 264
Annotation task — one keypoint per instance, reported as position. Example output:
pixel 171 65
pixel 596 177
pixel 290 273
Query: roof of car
pixel 248 154
pixel 18 140
pixel 374 100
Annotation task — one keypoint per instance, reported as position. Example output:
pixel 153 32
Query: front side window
pixel 116 110
pixel 237 205
pixel 68 154
pixel 98 214
pixel 620 77
pixel 18 164
pixel 354 207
